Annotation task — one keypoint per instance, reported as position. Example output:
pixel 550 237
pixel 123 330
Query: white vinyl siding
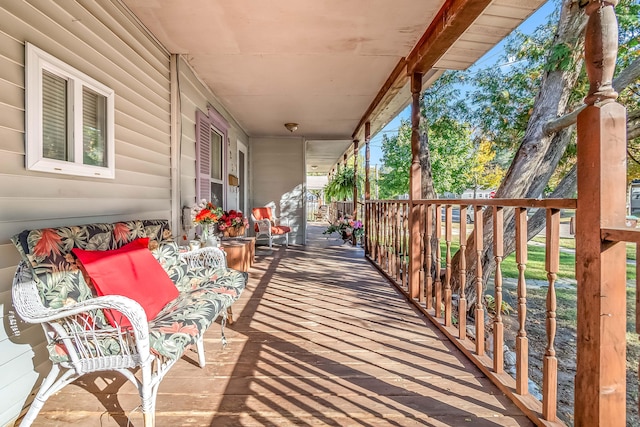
pixel 101 40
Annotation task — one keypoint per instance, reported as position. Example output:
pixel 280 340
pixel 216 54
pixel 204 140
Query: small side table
pixel 241 252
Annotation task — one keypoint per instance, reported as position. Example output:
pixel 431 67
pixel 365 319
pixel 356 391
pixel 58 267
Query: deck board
pixel 320 339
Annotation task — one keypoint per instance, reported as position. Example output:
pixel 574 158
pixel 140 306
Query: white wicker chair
pixel 267 225
pixel 74 326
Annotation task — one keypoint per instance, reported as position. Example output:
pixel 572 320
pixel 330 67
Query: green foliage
pixel 340 186
pixel 559 58
pixel 396 161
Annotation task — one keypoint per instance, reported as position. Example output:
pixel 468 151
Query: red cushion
pixel 280 229
pixel 131 271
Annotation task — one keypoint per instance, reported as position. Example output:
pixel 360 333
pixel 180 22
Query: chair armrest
pixel 27 302
pixel 264 225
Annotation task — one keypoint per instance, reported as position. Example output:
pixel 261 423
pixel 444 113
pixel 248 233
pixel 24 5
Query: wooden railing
pixel 387 247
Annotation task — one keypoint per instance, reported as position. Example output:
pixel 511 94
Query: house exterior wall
pixel 102 40
pixel 277 166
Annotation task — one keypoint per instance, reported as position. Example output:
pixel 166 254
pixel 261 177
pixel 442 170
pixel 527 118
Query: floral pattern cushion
pixel 207 294
pixel 184 319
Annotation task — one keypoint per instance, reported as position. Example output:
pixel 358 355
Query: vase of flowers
pixel 232 223
pixel 207 215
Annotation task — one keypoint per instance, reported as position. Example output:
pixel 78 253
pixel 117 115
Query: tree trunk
pixel 539 153
pixel 426 182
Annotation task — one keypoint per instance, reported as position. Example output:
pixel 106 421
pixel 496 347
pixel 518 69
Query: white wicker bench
pixel 48 289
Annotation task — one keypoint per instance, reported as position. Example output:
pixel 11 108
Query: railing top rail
pixel 620 234
pixel 524 203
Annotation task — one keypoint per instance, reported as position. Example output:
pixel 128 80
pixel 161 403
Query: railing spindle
pixel 638 302
pixel 550 362
pixel 498 326
pixel 462 299
pixel 438 282
pixel 478 235
pixel 429 236
pixel 396 241
pixel 421 290
pixel 522 342
pixel 405 237
pixel 447 280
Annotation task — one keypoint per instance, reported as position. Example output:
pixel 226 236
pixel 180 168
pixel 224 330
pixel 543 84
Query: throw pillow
pixel 131 271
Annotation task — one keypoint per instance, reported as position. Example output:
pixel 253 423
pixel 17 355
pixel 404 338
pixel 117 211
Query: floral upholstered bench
pixel 116 297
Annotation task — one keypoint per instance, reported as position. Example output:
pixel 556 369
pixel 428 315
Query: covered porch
pixel 320 339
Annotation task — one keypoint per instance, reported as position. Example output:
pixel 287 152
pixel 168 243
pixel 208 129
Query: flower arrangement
pixel 347 227
pixel 214 220
pixel 205 213
pixel 232 219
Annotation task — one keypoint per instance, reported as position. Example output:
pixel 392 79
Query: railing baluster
pixel 438 282
pixel 387 227
pixel 378 233
pixel 462 299
pixel 498 252
pixel 522 342
pixel 447 280
pixel 550 362
pixel 638 303
pixel 405 244
pixel 478 235
pixel 396 241
pixel 421 290
pixel 429 236
pixel 385 249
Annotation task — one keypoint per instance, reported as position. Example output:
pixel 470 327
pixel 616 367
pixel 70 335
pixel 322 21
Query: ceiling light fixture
pixel 291 127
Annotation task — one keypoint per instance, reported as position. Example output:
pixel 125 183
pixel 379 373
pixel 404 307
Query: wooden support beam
pixel 600 264
pixel 453 19
pixel 367 186
pixel 414 188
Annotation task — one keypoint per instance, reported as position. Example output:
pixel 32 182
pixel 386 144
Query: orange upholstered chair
pixel 266 225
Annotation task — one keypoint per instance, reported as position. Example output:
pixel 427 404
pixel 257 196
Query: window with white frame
pixel 69 119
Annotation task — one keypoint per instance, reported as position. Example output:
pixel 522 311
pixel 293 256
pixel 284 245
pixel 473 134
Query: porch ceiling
pixel 322 63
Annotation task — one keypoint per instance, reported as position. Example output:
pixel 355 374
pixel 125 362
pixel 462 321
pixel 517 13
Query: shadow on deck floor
pixel 320 339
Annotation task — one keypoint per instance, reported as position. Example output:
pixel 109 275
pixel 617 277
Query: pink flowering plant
pixel 346 227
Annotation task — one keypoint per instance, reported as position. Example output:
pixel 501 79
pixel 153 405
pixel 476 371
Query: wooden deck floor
pixel 320 340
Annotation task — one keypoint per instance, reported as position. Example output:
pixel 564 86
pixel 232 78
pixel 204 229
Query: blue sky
pixel 488 59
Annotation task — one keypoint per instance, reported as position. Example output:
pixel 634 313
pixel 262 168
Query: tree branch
pixel 624 79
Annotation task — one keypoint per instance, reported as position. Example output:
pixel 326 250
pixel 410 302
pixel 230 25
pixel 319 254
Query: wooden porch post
pixel 355 180
pixel 355 187
pixel 415 188
pixel 367 185
pixel 600 265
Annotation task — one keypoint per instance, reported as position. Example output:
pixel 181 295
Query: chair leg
pixel 51 384
pixel 147 396
pixel 200 349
